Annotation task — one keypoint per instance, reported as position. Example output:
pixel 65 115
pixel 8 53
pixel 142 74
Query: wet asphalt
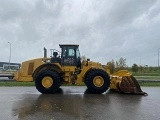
pixel 74 103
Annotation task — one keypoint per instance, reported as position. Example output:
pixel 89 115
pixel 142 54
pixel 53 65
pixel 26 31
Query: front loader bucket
pixel 123 81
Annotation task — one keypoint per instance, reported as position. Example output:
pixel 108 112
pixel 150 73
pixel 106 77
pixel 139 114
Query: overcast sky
pixel 104 29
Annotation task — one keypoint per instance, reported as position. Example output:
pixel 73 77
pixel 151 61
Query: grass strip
pixel 147 77
pixel 13 84
pixel 153 84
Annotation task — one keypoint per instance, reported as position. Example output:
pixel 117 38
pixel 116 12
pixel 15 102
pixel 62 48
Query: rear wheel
pixel 97 81
pixel 48 82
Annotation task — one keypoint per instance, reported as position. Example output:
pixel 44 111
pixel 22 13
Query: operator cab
pixel 70 55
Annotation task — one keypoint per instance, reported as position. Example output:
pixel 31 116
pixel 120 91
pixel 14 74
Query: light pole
pixel 9 55
pixel 158 59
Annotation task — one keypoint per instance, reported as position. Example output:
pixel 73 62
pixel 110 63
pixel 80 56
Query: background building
pixel 12 66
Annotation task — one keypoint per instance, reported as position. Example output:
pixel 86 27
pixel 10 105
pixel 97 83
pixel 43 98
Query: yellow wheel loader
pixel 65 67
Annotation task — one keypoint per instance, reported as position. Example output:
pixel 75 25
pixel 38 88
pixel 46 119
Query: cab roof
pixel 68 45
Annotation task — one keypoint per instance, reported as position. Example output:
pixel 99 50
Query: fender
pixel 52 66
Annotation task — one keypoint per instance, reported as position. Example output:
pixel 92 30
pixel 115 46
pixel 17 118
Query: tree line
pixel 117 65
pixel 121 65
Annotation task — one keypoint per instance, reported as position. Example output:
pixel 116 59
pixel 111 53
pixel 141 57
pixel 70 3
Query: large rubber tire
pixel 54 78
pixel 102 78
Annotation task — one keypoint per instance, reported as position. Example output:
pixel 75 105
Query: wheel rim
pixel 47 82
pixel 98 81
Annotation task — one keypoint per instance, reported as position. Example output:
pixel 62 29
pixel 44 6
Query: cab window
pixel 71 52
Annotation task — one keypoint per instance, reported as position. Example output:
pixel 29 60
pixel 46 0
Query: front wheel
pixel 97 81
pixel 48 82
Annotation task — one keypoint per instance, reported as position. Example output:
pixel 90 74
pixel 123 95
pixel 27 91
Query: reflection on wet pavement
pixel 75 103
pixel 59 106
